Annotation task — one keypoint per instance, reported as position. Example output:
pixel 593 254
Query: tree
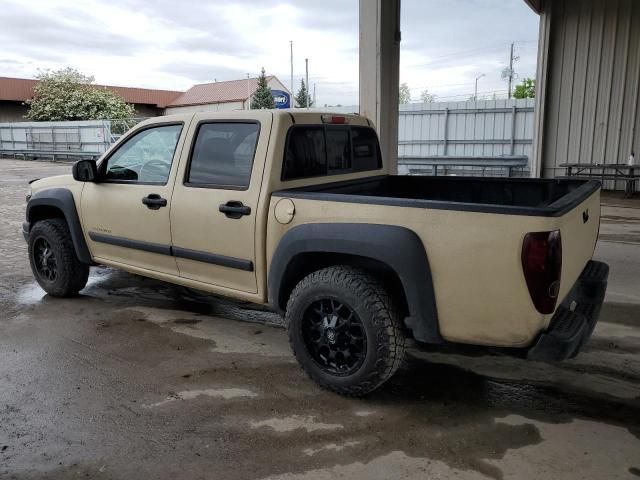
pixel 69 95
pixel 302 98
pixel 405 94
pixel 526 89
pixel 427 97
pixel 262 98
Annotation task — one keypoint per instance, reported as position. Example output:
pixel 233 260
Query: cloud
pixel 24 29
pixel 174 44
pixel 202 72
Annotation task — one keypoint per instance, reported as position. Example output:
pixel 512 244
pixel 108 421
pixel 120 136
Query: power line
pixel 441 86
pixel 463 53
pixel 449 58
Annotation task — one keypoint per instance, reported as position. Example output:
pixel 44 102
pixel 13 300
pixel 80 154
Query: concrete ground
pixel 139 379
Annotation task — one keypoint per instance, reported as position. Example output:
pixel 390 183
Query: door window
pixel 144 158
pixel 223 155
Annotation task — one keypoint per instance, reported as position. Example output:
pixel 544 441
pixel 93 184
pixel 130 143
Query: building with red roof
pixel 216 96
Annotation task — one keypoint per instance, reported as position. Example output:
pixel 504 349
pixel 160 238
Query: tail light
pixel 542 264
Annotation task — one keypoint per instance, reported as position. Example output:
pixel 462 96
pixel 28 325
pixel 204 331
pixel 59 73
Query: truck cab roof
pixel 297 115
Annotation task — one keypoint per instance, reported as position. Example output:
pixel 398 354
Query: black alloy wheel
pixel 334 336
pixel 45 260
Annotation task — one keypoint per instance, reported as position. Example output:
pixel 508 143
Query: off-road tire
pixel 71 275
pixel 375 308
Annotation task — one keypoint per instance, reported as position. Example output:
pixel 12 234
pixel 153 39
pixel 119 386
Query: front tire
pixel 53 259
pixel 345 330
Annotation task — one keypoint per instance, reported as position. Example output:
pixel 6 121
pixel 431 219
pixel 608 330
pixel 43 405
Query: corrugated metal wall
pixel 591 108
pixel 463 129
pixel 491 128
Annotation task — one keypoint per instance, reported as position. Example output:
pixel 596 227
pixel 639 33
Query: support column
pixel 380 72
pixel 536 161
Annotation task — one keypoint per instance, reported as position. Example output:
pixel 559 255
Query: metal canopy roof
pixel 536 5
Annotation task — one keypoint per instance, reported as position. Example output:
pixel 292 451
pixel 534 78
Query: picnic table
pixel 440 163
pixel 610 171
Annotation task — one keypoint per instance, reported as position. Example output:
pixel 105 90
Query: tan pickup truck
pixel 297 210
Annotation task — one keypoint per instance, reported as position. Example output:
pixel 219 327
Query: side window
pixel 146 157
pixel 305 154
pixel 366 150
pixel 314 151
pixel 223 155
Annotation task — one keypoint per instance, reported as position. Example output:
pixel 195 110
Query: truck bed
pixel 472 230
pixel 513 196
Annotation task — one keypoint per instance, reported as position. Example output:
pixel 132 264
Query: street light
pixel 475 95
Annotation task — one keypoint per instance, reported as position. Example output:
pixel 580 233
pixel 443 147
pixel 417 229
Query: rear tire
pixel 345 330
pixel 53 259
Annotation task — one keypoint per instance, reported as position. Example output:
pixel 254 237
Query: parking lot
pixel 140 379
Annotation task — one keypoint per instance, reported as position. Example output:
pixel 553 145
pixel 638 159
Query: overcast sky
pixel 173 44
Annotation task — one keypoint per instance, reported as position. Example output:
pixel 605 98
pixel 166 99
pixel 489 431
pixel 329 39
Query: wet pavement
pixel 140 379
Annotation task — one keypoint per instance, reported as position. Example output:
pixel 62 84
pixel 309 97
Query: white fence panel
pixel 492 130
pixel 92 137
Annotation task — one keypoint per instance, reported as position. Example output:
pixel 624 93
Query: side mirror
pixel 85 171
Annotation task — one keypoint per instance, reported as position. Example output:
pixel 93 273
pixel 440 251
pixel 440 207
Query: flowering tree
pixel 69 95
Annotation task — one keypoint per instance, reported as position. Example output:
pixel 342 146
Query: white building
pixel 221 96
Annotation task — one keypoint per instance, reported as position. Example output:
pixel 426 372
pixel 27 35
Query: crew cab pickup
pixel 297 210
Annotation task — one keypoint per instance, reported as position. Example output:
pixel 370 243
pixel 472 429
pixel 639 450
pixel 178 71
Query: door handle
pixel 153 201
pixel 234 209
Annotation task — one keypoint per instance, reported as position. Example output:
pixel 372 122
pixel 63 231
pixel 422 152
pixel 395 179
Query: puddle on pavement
pixel 364 413
pixel 331 447
pixel 445 383
pixel 223 393
pixel 225 335
pixel 127 288
pixel 429 409
pixel 31 295
pixel 295 422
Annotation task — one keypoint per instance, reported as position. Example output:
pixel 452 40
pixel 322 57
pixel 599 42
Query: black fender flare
pixel 62 199
pixel 399 248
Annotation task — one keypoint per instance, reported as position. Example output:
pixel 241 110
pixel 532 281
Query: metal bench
pixel 617 172
pixel 508 163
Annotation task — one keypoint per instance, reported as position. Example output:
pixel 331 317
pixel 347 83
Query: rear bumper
pixel 575 319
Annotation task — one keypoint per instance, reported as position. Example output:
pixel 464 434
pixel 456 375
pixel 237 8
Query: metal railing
pixel 61 140
pixel 507 166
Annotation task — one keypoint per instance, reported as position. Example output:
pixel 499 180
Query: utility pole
pixel 306 67
pixel 314 93
pixel 475 95
pixel 510 71
pixel 248 93
pixel 293 88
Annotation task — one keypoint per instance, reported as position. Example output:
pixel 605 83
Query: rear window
pixel 313 151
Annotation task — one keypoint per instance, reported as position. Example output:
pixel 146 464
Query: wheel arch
pixel 59 203
pixel 393 254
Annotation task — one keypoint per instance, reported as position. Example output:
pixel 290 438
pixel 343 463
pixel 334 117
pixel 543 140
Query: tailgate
pixel 579 232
